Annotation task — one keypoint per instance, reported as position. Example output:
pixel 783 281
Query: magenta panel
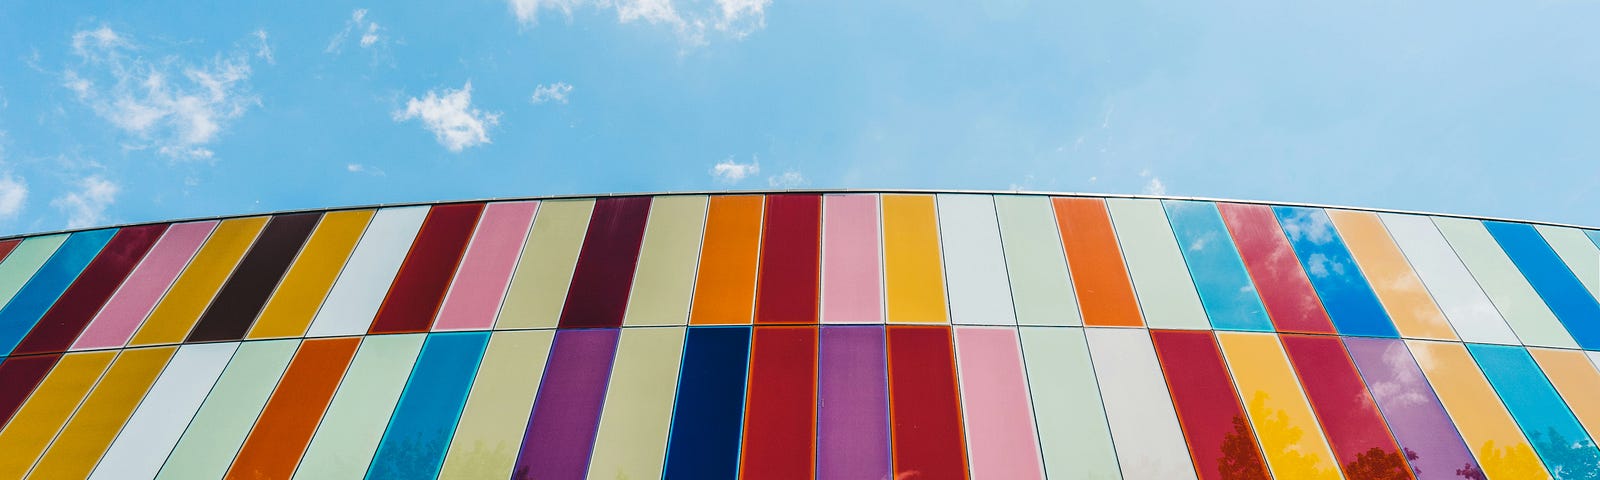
pixel 852 284
pixel 852 404
pixel 480 284
pixel 127 308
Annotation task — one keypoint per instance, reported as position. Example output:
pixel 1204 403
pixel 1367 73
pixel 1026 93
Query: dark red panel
pixel 781 408
pixel 1284 288
pixel 924 406
pixel 791 249
pixel 419 287
pixel 18 377
pixel 1355 427
pixel 6 246
pixel 71 313
pixel 598 295
pixel 236 305
pixel 1220 438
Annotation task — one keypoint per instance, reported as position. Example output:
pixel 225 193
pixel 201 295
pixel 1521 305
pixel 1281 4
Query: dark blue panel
pixel 1556 284
pixel 1558 438
pixel 41 291
pixel 710 410
pixel 1346 296
pixel 1219 275
pixel 419 430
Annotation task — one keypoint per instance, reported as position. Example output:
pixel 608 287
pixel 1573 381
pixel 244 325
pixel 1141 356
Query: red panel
pixel 420 285
pixel 78 304
pixel 1284 288
pixel 924 406
pixel 1220 438
pixel 6 246
pixel 1355 427
pixel 781 409
pixel 20 375
pixel 791 249
pixel 598 295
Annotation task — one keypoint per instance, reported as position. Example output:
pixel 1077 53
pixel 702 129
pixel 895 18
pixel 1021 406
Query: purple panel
pixel 1413 411
pixel 566 413
pixel 852 404
pixel 598 294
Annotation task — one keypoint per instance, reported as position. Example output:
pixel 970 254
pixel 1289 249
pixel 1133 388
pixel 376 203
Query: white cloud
pixel 13 195
pixel 450 116
pixel 366 169
pixel 263 49
pixel 86 207
pixel 370 33
pixel 690 19
pixel 1155 187
pixel 788 179
pixel 555 92
pixel 729 171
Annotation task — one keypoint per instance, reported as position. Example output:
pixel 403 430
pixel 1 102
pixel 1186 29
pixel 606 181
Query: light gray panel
pixel 1511 293
pixel 361 286
pixel 1464 303
pixel 974 264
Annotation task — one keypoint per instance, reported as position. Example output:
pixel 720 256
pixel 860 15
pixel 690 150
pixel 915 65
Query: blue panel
pixel 1594 236
pixel 53 278
pixel 1224 285
pixel 1556 284
pixel 709 414
pixel 419 430
pixel 1346 296
pixel 1558 438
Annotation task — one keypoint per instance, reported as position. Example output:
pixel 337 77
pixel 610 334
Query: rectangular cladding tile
pixel 1285 290
pixel 780 409
pixel 663 284
pixel 852 403
pixel 479 286
pixel 348 435
pixel 1144 424
pixel 544 270
pixel 489 433
pixel 33 427
pixel 155 427
pixel 913 268
pixel 1288 429
pixel 1036 264
pixel 1408 302
pixel 925 403
pixel 1074 437
pixel 61 325
pixel 137 296
pixel 90 432
pixel 852 260
pixel 1430 440
pixel 710 404
pixel 1001 442
pixel 787 286
pixel 1220 438
pixel 974 261
pixel 419 286
pixel 295 302
pixel 604 273
pixel 55 277
pixel 725 287
pixel 1219 273
pixel 189 295
pixel 1105 292
pixel 281 433
pixel 566 414
pixel 637 417
pixel 1166 292
pixel 252 282
pixel 415 443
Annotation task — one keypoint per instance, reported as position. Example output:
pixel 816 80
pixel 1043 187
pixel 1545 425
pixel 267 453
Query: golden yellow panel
pixel 37 422
pixel 1288 430
pixel 539 286
pixel 91 430
pixel 913 268
pixel 295 302
pixel 192 292
pixel 1502 450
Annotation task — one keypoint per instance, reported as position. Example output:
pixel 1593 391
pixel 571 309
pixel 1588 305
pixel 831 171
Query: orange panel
pixel 285 426
pixel 725 288
pixel 1391 276
pixel 1104 292
pixel 913 270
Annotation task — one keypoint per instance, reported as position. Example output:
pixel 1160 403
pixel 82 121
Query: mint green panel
pixel 350 430
pixel 24 261
pixel 1507 288
pixel 1073 434
pixel 1160 277
pixel 214 436
pixel 1041 288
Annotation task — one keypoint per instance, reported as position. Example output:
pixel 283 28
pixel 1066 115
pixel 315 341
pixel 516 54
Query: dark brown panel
pixel 241 298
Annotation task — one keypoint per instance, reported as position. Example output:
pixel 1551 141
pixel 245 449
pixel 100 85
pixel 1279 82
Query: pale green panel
pixel 489 433
pixel 1073 433
pixel 632 441
pixel 214 436
pixel 1507 288
pixel 663 283
pixel 974 261
pixel 1041 288
pixel 350 430
pixel 24 261
pixel 1160 277
pixel 1577 252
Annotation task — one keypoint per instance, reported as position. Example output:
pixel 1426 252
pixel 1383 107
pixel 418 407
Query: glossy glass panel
pixel 852 404
pixel 1143 422
pixel 1167 295
pixel 544 271
pixel 7 246
pixel 155 427
pixel 852 266
pixel 219 428
pixel 62 323
pixel 102 414
pixel 490 430
pixel 189 295
pixel 424 277
pixel 925 403
pixel 20 375
pixel 1073 435
pixel 1555 283
pixel 1290 436
pixel 604 273
pixel 1396 285
pixel 349 433
pixel 281 433
pixel 780 416
pixel 1220 438
pixel 1468 309
pixel 791 253
pixel 664 282
pixel 632 440
pixel 1219 273
pixel 24 261
pixel 52 403
pixel 239 301
pixel 480 283
pixel 566 415
pixel 359 291
pixel 1516 299
pixel 725 286
pixel 995 404
pixel 1576 379
pixel 1105 294
pixel 974 261
pixel 1415 416
pixel 55 277
pixel 1349 416
pixel 1575 249
pixel 297 298
pixel 1558 438
pixel 1291 301
pixel 710 404
pixel 1041 287
pixel 132 302
pixel 1346 296
pixel 913 269
pixel 1502 450
pixel 420 429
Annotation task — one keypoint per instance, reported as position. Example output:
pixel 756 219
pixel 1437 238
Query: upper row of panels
pixel 801 259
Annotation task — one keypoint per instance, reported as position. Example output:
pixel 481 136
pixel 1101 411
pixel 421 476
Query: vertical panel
pixel 62 323
pixel 791 251
pixel 20 375
pixel 1560 289
pixel 52 403
pixel 55 277
pixel 348 435
pixel 241 299
pixel 1219 273
pixel 365 279
pixel 289 311
pixel 1144 425
pixel 1558 438
pixel 664 281
pixel 710 404
pixel 1414 313
pixel 192 291
pixel 974 261
pixel 1220 438
pixel 913 277
pixel 419 286
pixel 1104 290
pixel 566 415
pixel 1416 417
pixel 281 433
pixel 1166 293
pixel 780 409
pixel 1290 437
pixel 1502 450
pixel 1287 293
pixel 539 285
pixel 604 275
pixel 1074 437
pixel 154 428
pixel 1576 379
pixel 1041 288
pixel 1510 292
pixel 1465 305
pixel 852 266
pixel 1577 252
pixel 420 429
pixel 139 293
pixel 995 405
pixel 24 262
pixel 632 439
pixel 490 430
pixel 925 403
pixel 1345 294
pixel 852 404
pixel 479 286
pixel 725 288
pixel 1349 416
pixel 85 438
pixel 214 435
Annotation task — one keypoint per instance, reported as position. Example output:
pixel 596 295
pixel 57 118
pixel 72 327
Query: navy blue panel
pixel 1556 284
pixel 710 410
pixel 1556 435
pixel 41 291
pixel 1346 296
pixel 1219 274
pixel 420 429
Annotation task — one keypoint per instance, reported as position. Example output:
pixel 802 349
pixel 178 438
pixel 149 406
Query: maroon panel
pixel 71 313
pixel 7 246
pixel 236 305
pixel 19 376
pixel 1284 288
pixel 780 413
pixel 924 404
pixel 598 295
pixel 1220 438
pixel 791 249
pixel 1349 416
pixel 419 287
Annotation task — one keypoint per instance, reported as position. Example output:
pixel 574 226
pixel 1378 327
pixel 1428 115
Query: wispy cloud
pixel 86 206
pixel 1153 185
pixel 263 49
pixel 13 195
pixel 788 179
pixel 730 172
pixel 690 20
pixel 555 92
pixel 368 33
pixel 449 114
pixel 363 169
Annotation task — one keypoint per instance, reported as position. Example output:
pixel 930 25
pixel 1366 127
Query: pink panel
pixel 480 284
pixel 994 404
pixel 852 273
pixel 133 301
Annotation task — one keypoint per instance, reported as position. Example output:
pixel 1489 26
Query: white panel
pixel 1458 295
pixel 1511 293
pixel 974 263
pixel 1160 277
pixel 1144 426
pixel 156 425
pixel 365 279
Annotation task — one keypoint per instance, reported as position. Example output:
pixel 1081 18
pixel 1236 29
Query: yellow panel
pixel 1278 409
pixel 913 270
pixel 37 422
pixel 632 439
pixel 1490 433
pixel 91 430
pixel 1576 379
pixel 192 292
pixel 1391 276
pixel 489 434
pixel 312 275
pixel 663 282
pixel 539 286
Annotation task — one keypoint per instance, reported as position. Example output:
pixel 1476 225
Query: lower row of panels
pixel 834 402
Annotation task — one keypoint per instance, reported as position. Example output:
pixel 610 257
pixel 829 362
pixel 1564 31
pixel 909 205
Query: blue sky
pixel 117 112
